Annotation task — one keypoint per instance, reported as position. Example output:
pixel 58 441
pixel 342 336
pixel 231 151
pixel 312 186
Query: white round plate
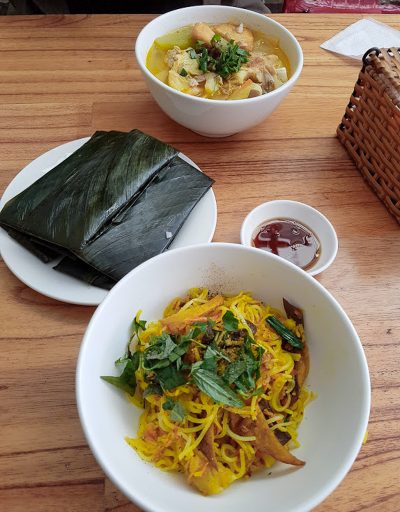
pixel 198 228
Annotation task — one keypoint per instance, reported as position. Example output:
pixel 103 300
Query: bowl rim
pixel 152 78
pixel 316 269
pixel 142 499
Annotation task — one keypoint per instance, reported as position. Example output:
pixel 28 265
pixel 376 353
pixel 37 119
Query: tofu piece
pixel 228 31
pixel 203 32
pixel 240 77
pixel 248 90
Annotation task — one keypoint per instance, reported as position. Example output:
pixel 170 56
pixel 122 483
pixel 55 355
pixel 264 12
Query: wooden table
pixel 63 77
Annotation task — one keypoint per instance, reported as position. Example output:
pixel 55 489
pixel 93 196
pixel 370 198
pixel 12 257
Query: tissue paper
pixel 359 37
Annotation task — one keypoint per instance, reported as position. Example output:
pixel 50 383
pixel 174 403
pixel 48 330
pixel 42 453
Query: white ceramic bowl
pixel 334 424
pixel 306 215
pixel 216 118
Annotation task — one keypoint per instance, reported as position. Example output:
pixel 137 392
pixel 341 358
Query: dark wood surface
pixel 63 77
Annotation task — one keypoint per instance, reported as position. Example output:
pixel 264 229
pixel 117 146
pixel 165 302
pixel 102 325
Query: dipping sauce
pixel 290 240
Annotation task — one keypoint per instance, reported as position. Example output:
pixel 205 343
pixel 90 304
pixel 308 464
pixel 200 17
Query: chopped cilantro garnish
pixel 215 38
pixel 222 59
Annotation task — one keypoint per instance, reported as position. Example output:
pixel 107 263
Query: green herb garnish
pixel 215 374
pixel 152 389
pixel 163 351
pixel 244 371
pixel 178 411
pixel 222 58
pixel 215 38
pixel 230 322
pixel 183 72
pixel 234 370
pixel 211 357
pixel 138 324
pixel 127 380
pixel 214 386
pixel 168 404
pixel 204 60
pixel 164 357
pixel 285 333
pixel 170 377
pixel 231 59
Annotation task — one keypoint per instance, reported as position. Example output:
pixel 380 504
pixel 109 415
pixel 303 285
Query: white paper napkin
pixel 359 37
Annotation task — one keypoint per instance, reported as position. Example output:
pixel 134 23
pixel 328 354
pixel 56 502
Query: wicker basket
pixel 370 128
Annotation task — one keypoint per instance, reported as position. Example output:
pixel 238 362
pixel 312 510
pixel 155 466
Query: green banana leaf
pixel 117 201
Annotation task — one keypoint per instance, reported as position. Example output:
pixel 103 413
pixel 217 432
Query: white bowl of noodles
pixel 213 117
pixel 334 424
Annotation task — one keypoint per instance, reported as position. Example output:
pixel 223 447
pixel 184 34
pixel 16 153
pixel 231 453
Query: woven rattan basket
pixel 370 128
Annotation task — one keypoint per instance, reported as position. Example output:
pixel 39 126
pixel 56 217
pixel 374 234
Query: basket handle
pixel 365 58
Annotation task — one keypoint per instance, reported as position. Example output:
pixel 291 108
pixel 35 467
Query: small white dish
pixel 304 214
pixel 41 277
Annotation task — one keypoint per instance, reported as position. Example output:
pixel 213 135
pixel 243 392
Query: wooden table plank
pixel 63 77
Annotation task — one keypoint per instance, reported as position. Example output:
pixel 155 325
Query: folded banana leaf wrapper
pixel 117 201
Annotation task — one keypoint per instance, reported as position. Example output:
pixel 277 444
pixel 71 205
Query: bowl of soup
pixel 218 70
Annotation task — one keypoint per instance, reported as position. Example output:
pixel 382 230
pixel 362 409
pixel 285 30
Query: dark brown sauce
pixel 290 240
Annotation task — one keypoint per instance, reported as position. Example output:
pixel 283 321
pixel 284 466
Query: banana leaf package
pixel 117 201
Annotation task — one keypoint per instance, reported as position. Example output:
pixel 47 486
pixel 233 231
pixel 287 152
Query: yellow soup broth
pixel 177 59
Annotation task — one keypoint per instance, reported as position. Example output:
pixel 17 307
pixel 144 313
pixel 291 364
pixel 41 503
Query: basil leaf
pixel 170 377
pixel 213 385
pixel 121 360
pixel 234 370
pixel 161 352
pixel 168 405
pixel 127 380
pixel 191 335
pixel 178 412
pixel 160 348
pixel 204 328
pixel 210 359
pixel 246 369
pixel 152 389
pixel 182 348
pixel 248 341
pixel 246 381
pixel 155 365
pixel 230 322
pixel 196 365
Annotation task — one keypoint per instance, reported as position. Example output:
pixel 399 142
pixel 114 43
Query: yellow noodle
pixel 176 446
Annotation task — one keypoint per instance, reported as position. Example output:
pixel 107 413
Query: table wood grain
pixel 63 77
